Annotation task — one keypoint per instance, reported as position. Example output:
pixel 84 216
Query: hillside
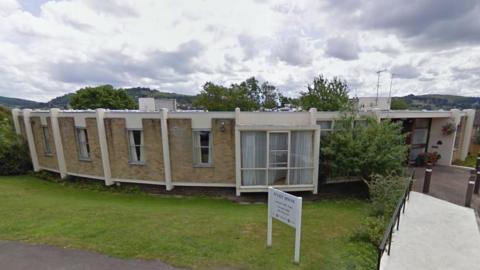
pixel 437 102
pixel 183 101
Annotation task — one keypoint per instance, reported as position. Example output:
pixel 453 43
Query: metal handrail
pixel 387 236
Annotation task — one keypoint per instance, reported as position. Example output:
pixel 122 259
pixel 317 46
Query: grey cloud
pixel 342 48
pixel 424 23
pixel 113 7
pixel 405 71
pixel 117 68
pixel 293 52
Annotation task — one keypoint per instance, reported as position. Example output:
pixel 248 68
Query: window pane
pixel 301 152
pixel 137 137
pixel 301 176
pixel 278 141
pixel 205 155
pixel 254 177
pixel 277 177
pixel 138 150
pixel 278 158
pixel 254 149
pixel 204 138
pixel 325 125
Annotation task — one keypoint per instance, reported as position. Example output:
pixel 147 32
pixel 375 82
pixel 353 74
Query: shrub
pixel 424 158
pixel 362 150
pixel 385 191
pixel 14 154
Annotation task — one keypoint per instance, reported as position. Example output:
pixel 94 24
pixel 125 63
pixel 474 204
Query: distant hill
pixel 183 101
pixel 17 103
pixel 437 102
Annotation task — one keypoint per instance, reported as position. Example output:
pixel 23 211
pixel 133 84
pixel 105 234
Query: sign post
pixel 288 209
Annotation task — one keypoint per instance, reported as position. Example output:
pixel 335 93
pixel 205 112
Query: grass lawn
pixel 191 232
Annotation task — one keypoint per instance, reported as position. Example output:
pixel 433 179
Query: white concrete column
pixel 313 119
pixel 166 150
pixel 467 137
pixel 16 124
pixel 30 139
pixel 57 139
pixel 102 139
pixel 238 158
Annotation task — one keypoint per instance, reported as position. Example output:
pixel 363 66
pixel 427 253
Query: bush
pixel 385 192
pixel 14 153
pixel 362 150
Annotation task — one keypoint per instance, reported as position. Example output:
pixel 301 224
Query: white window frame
pixel 196 162
pixel 288 168
pixel 47 147
pixel 132 146
pixel 81 144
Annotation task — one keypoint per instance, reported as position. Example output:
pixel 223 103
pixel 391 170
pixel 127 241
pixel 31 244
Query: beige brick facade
pixel 181 153
pixel 44 159
pixel 153 168
pixel 70 147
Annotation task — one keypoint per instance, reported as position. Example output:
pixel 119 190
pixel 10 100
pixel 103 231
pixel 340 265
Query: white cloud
pixel 53 47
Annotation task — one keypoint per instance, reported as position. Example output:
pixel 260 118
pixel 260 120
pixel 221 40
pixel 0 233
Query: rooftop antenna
pixel 378 84
pixel 390 91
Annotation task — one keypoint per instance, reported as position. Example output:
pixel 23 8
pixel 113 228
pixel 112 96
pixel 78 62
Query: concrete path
pixel 434 235
pixel 22 256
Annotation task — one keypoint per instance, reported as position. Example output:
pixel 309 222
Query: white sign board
pixel 288 209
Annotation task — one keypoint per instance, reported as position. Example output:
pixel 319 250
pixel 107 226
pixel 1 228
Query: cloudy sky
pixel 48 48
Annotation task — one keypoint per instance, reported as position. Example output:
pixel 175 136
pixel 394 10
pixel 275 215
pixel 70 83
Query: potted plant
pixel 448 129
pixel 423 158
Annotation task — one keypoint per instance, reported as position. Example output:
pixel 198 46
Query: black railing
pixel 387 236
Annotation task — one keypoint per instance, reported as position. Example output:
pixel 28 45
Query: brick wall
pixel 70 147
pixel 181 153
pixel 44 160
pixel 116 133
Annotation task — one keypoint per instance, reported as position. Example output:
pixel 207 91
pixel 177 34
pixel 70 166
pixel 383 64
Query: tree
pixel 249 95
pixel 103 96
pixel 326 95
pixel 398 104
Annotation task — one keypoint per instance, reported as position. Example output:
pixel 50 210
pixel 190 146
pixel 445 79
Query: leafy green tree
pixel 362 150
pixel 398 104
pixel 14 154
pixel 326 95
pixel 103 96
pixel 249 95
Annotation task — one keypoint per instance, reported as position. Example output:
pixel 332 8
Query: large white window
pixel 202 148
pixel 46 141
pixel 277 158
pixel 83 145
pixel 135 147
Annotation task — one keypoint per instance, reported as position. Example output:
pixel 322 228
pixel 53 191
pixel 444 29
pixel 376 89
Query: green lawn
pixel 193 232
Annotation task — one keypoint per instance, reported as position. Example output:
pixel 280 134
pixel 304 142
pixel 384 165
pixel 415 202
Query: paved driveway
pixel 23 256
pixel 447 183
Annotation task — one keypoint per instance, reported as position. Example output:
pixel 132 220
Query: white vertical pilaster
pixel 238 173
pixel 30 139
pixel 57 139
pixel 102 139
pixel 166 150
pixel 16 124
pixel 313 119
pixel 467 136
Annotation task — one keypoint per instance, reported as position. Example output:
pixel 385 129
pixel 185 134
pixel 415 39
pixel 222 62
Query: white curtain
pixel 254 158
pixel 301 155
pixel 197 151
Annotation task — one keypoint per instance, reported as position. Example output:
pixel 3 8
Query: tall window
pixel 277 158
pixel 202 148
pixel 83 145
pixel 326 127
pixel 46 141
pixel 135 149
